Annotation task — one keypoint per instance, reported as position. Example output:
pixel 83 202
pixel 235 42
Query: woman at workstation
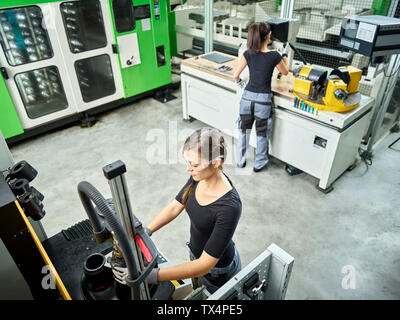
pixel 256 102
pixel 214 208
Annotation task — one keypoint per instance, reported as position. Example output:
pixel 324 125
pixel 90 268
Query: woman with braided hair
pixel 256 103
pixel 214 209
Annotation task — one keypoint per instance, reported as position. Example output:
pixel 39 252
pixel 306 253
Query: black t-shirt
pixel 212 226
pixel 261 66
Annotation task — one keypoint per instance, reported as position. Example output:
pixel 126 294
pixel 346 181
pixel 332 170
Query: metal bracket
pixel 114 173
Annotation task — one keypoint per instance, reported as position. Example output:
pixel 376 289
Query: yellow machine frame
pixel 302 90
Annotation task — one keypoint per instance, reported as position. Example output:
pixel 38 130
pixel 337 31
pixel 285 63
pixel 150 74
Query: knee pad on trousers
pixel 246 122
pixel 261 127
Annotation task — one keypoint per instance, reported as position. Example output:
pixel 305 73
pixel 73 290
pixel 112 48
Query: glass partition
pixel 320 24
pixel 231 20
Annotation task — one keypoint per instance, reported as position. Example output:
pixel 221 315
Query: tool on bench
pixel 225 68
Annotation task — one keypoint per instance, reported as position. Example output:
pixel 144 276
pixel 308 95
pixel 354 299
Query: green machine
pixel 381 7
pixel 146 25
pixel 9 121
pixel 64 61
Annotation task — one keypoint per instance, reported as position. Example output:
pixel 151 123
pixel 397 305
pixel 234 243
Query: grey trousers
pixel 217 277
pixel 256 107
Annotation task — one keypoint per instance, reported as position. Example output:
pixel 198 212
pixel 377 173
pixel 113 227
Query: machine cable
pixel 87 194
pixel 365 157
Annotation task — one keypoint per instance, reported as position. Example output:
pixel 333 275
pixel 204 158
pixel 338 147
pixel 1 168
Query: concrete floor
pixel 354 230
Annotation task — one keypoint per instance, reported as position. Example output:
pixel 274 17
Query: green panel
pixel 278 3
pixel 147 75
pixel 381 6
pixel 10 125
pixel 172 34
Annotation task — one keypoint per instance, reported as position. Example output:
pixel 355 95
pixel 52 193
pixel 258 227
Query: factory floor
pixel 346 244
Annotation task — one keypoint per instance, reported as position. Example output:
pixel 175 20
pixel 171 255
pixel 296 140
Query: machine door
pixel 86 39
pixel 33 68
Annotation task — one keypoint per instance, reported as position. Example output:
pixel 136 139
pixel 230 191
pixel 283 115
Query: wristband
pixel 284 55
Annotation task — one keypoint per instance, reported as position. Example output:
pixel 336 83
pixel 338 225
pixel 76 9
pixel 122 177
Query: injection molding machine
pixel 62 61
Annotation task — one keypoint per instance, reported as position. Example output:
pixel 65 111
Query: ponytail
pixel 256 36
pixel 186 193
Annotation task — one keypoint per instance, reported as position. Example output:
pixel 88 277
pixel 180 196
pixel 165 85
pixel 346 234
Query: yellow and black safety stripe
pixel 60 285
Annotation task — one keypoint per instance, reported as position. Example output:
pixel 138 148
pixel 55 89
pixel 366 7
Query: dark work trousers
pixel 217 277
pixel 256 107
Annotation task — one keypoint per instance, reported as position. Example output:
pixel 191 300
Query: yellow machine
pixel 309 81
pixel 350 75
pixel 303 86
pixel 315 91
pixel 335 92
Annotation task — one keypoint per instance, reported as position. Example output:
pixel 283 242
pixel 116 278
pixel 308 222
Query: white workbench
pixel 323 145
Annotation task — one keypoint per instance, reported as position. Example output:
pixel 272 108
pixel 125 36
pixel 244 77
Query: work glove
pixel 241 83
pixel 152 277
pixel 285 50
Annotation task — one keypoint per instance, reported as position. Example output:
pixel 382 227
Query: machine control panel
pixel 129 50
pixel 372 36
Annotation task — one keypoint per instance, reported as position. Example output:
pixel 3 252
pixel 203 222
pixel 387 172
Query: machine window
pixel 41 91
pixel 95 82
pixel 84 25
pixel 124 15
pixel 160 56
pixel 23 35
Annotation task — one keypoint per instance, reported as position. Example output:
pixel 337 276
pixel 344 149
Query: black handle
pixel 152 264
pixel 4 73
pixel 114 48
pixel 298 52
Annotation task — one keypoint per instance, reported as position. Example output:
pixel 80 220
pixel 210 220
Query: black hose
pixel 88 193
pixel 86 197
pixel 298 52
